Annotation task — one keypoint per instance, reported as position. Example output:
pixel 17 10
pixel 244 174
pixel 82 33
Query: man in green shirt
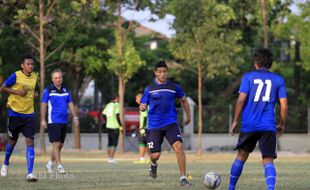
pixel 113 125
pixel 142 133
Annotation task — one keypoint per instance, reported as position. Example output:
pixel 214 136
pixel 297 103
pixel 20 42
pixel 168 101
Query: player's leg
pixel 246 144
pixel 60 168
pixel 267 145
pixel 154 141
pixel 28 131
pixel 51 130
pixel 174 137
pixel 14 128
pixel 113 135
pixel 142 148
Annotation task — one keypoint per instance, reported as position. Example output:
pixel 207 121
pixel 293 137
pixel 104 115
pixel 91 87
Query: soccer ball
pixel 211 180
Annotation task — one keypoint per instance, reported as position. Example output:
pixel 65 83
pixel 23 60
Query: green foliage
pixel 202 37
pixel 292 27
pixel 129 63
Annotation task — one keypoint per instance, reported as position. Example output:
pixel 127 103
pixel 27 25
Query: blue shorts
pixel 155 137
pixel 57 132
pixel 18 124
pixel 267 142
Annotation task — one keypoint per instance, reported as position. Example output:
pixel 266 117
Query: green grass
pixel 89 170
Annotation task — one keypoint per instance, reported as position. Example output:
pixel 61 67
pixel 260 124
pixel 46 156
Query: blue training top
pixel 263 88
pixel 57 101
pixel 161 101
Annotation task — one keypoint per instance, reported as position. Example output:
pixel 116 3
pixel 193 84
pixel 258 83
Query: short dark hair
pixel 26 56
pixel 161 64
pixel 115 95
pixel 263 57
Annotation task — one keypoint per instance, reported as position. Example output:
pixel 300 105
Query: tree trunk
pixel 121 83
pixel 297 73
pixel 42 71
pixel 199 109
pixel 97 119
pixel 121 92
pixel 264 18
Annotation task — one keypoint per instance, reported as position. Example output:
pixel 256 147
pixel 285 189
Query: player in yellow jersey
pixel 22 88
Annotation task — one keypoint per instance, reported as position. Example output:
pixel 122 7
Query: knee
pixel 178 147
pixel 155 156
pixel 12 142
pixel 29 142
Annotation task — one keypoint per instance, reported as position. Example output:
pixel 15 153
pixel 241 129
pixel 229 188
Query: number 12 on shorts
pixel 259 89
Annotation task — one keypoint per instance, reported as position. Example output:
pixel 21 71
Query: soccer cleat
pixel 61 170
pixel 31 178
pixel 185 183
pixel 49 168
pixel 4 170
pixel 153 171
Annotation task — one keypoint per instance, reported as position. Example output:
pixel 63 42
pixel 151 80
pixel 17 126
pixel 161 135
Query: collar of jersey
pixel 262 69
pixel 161 83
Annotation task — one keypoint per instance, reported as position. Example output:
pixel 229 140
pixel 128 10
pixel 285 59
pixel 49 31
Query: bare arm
pixel 43 114
pixel 238 109
pixel 9 90
pixel 75 117
pixel 283 114
pixel 187 110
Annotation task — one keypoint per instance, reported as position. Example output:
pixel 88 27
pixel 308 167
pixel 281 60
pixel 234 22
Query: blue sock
pixel 8 152
pixel 270 175
pixel 30 158
pixel 235 172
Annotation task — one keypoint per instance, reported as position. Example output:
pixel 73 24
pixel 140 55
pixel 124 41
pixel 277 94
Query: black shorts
pixel 57 132
pixel 113 135
pixel 142 139
pixel 155 137
pixel 267 142
pixel 17 124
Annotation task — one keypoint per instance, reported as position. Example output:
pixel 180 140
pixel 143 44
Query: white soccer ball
pixel 211 180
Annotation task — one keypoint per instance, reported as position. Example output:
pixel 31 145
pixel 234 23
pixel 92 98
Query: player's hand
pixel 120 129
pixel 142 107
pixel 186 122
pixel 36 94
pixel 142 132
pixel 76 121
pixel 22 92
pixel 233 128
pixel 280 130
pixel 43 124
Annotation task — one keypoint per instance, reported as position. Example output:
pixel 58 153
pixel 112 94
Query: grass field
pixel 90 170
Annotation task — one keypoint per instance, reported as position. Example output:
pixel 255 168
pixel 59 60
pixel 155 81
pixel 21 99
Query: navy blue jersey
pixel 263 88
pixel 161 101
pixel 57 101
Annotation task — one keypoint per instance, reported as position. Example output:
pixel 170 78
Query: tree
pixel 205 43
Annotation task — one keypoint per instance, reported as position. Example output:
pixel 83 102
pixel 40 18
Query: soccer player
pixel 22 88
pixel 113 125
pixel 258 93
pixel 56 97
pixel 160 96
pixel 142 132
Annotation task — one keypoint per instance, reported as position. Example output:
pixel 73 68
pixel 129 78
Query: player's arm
pixel 144 100
pixel 187 110
pixel 43 114
pixel 283 114
pixel 9 90
pixel 37 90
pixel 118 118
pixel 75 117
pixel 238 109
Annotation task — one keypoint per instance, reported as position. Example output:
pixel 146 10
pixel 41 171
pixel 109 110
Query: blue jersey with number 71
pixel 263 88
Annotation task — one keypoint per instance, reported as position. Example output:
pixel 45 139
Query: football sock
pixel 30 158
pixel 235 172
pixel 183 177
pixel 8 152
pixel 270 175
pixel 153 164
